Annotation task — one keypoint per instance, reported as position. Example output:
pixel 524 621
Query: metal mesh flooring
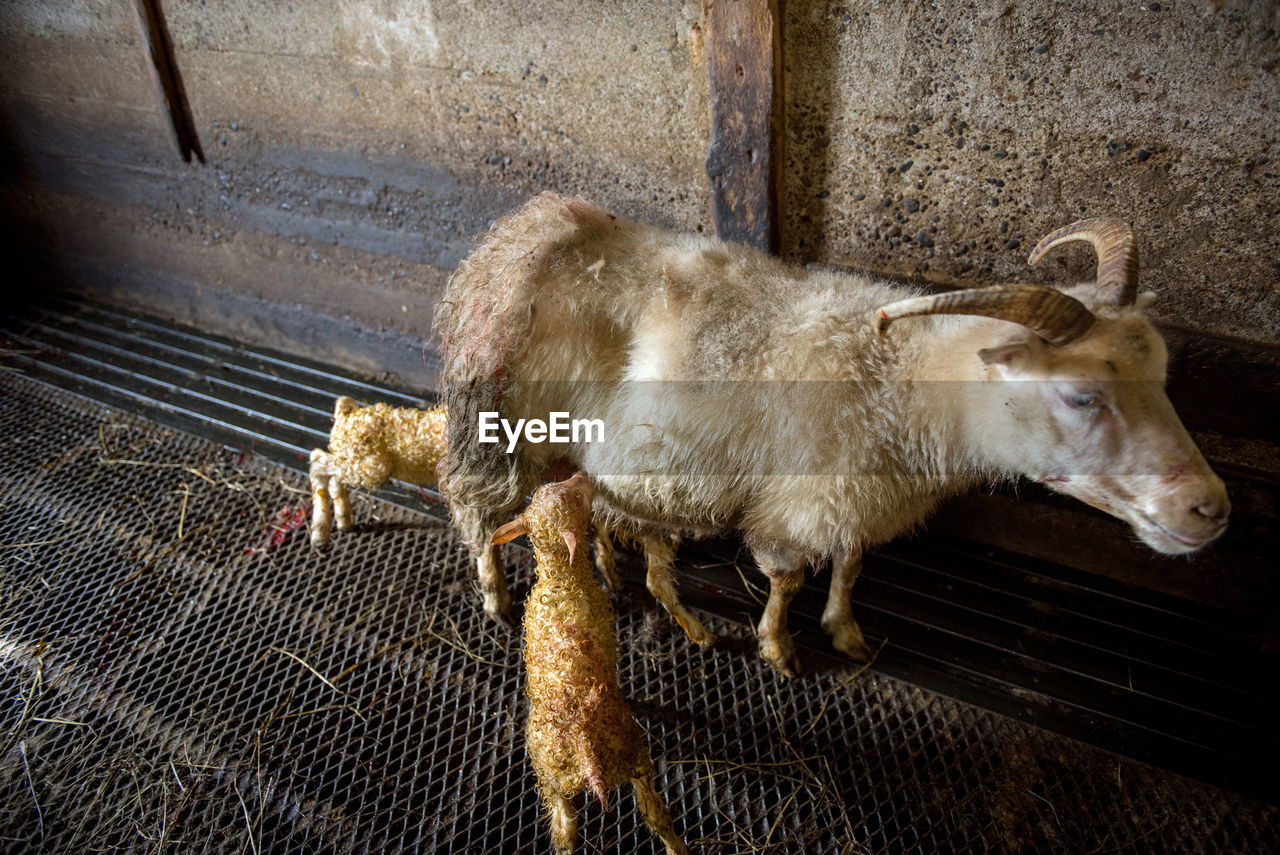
pixel 181 671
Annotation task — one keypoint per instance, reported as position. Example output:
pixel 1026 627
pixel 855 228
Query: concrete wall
pixel 353 151
pixel 354 148
pixel 942 140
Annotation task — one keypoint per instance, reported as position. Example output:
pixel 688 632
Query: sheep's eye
pixel 1083 400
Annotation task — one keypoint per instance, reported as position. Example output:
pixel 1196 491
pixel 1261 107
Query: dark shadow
pixel 155 35
pixel 24 241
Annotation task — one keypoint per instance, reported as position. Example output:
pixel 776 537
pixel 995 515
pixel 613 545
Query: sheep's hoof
pixel 498 607
pixel 697 633
pixel 781 654
pixel 846 637
pixel 612 581
pixel 319 539
pixel 858 651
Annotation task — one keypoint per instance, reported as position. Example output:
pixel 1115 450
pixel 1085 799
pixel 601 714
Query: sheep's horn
pixel 1117 249
pixel 1049 313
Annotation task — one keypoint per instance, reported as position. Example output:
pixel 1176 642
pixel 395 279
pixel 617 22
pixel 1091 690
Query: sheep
pixel 815 413
pixel 370 445
pixel 367 447
pixel 581 733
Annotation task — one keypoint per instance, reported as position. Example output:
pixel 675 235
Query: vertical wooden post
pixel 744 47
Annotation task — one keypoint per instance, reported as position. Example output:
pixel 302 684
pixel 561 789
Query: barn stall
pixel 222 216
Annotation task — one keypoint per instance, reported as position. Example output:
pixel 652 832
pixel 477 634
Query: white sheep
pixel 742 393
pixel 369 446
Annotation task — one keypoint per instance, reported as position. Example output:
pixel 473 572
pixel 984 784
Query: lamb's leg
pixel 786 577
pixel 321 501
pixel 341 504
pixel 837 617
pixel 477 525
pixel 656 815
pixel 564 822
pixel 605 563
pixel 660 556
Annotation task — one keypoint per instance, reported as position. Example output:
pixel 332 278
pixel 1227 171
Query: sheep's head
pixel 556 518
pixel 1080 405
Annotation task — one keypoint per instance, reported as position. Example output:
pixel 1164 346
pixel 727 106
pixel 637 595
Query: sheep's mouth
pixel 1158 535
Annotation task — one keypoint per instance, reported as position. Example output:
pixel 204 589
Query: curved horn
pixel 1117 249
pixel 1049 313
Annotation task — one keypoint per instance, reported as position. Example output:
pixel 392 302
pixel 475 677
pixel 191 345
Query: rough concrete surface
pixel 942 140
pixel 354 150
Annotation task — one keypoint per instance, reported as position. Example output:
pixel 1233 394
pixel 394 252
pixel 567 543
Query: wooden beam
pixel 743 44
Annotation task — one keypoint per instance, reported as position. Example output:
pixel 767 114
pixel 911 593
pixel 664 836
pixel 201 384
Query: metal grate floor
pixel 180 671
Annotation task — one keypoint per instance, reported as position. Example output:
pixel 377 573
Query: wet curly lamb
pixel 581 734
pixel 369 446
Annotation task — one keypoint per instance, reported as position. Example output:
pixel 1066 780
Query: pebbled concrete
pixel 943 140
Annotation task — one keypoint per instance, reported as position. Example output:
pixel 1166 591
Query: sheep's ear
pixel 510 531
pixel 1012 355
pixel 344 406
pixel 570 540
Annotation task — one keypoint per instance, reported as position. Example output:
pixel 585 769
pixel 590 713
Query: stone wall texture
pixel 354 149
pixel 942 140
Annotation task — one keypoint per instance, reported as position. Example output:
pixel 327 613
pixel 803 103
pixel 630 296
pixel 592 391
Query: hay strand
pixel 322 678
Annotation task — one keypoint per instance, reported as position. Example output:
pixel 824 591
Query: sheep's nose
pixel 1214 511
pixel 1212 505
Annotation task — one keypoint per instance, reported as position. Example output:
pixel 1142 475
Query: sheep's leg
pixel 605 563
pixel 374 471
pixel 341 504
pixel 837 617
pixel 321 501
pixel 493 586
pixel 477 525
pixel 786 578
pixel 660 556
pixel 656 815
pixel 564 822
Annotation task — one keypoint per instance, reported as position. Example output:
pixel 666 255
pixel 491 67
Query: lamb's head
pixel 1077 398
pixel 556 518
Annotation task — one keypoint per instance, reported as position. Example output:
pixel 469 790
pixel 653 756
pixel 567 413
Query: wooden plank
pixel 743 46
pixel 168 82
pixel 1223 384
